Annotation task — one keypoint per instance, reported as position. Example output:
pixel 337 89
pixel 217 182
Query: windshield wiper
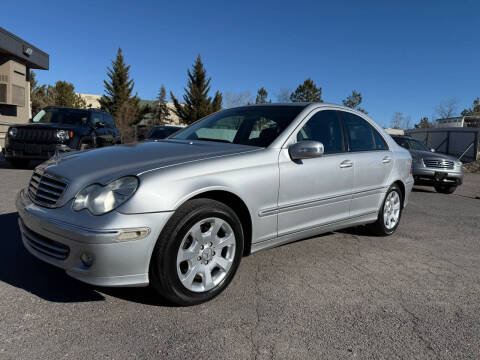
pixel 217 140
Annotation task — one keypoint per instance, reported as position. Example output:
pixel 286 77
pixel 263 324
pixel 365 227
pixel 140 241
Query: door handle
pixel 346 164
pixel 386 160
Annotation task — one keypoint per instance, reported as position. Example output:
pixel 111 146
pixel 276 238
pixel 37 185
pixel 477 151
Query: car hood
pixel 432 155
pixel 105 164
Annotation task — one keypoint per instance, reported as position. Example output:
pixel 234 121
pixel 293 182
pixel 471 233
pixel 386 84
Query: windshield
pixel 253 125
pixel 62 116
pixel 162 132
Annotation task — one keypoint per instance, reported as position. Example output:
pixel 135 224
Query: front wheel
pixel 198 252
pixel 390 213
pixel 443 189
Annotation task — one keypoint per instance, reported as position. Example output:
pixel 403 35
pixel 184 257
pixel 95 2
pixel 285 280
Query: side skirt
pixel 317 230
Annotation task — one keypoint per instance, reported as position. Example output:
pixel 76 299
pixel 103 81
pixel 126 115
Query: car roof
pixel 74 109
pixel 403 137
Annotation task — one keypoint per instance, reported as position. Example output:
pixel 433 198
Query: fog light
pixel 87 259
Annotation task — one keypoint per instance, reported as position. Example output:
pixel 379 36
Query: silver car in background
pixel 179 214
pixel 443 172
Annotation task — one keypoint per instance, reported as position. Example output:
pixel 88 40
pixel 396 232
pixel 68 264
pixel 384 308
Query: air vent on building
pixel 4 78
pixel 3 93
pixel 18 95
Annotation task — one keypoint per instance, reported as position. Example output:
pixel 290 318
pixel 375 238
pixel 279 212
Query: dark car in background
pixel 59 129
pixel 160 132
pixel 443 172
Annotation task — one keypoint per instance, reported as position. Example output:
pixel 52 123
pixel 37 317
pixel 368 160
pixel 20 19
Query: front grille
pixel 36 135
pixel 44 245
pixel 439 164
pixel 45 189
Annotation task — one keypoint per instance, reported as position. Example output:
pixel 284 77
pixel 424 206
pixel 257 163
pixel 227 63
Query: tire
pixel 443 189
pixel 187 234
pixel 392 207
pixel 19 163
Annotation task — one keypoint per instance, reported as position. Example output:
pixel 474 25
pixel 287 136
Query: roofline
pixel 12 45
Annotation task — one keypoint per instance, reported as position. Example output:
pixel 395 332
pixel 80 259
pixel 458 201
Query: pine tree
pixel 119 100
pixel 262 96
pixel 424 124
pixel 161 113
pixel 474 110
pixel 353 101
pixel 119 87
pixel 197 103
pixel 307 92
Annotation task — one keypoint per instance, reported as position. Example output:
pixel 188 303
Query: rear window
pixel 161 133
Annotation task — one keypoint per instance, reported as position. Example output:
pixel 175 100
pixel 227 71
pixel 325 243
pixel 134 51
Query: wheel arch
pixel 234 202
pixel 401 185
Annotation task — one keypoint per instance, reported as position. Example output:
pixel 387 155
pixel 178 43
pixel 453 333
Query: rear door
pixel 372 161
pixel 315 192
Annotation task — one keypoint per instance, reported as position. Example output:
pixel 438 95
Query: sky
pixel 403 56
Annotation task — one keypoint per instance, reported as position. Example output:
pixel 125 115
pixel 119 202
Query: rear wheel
pixel 390 213
pixel 198 252
pixel 443 189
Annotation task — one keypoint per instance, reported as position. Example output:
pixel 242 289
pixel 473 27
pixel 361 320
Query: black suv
pixel 58 129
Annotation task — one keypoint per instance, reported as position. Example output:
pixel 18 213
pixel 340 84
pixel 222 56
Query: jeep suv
pixel 443 172
pixel 59 129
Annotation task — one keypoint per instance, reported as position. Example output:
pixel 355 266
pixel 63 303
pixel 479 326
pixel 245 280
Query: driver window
pixel 324 127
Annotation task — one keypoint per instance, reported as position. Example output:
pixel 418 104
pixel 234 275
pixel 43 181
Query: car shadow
pixel 20 269
pixel 423 189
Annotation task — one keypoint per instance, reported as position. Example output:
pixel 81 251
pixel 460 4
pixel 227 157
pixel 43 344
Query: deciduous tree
pixel 447 108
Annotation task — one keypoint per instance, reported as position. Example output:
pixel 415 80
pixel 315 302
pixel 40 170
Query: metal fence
pixel 459 142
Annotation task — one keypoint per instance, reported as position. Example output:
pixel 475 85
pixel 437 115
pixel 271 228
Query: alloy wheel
pixel 206 254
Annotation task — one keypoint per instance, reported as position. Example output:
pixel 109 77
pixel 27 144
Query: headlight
pixel 458 163
pixel 416 160
pixel 62 135
pixel 13 132
pixel 100 199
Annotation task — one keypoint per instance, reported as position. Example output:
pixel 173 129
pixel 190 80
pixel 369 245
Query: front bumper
pixel 48 236
pixel 431 176
pixel 20 150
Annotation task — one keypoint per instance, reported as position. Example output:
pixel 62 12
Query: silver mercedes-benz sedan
pixel 180 213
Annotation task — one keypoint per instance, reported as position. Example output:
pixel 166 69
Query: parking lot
pixel 341 295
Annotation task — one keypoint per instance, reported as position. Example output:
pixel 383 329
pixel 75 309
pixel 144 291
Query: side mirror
pixel 99 125
pixel 432 150
pixel 306 150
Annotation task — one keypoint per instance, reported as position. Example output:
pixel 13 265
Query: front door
pixel 316 192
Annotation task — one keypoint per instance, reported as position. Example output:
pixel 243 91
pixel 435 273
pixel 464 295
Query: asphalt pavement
pixel 337 296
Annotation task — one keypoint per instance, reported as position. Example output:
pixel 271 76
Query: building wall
pixel 15 114
pixel 92 101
